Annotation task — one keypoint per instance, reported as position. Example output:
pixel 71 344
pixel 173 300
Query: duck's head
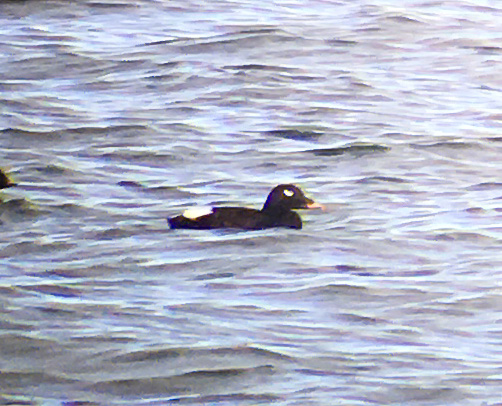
pixel 289 197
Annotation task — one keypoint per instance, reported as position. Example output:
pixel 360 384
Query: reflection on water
pixel 118 115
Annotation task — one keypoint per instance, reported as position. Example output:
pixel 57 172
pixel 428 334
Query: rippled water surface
pixel 117 114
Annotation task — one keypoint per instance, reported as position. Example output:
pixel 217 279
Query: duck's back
pixel 236 217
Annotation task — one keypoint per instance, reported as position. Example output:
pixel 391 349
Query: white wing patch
pixel 288 192
pixel 196 212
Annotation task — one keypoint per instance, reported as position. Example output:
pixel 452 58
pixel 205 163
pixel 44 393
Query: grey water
pixel 117 114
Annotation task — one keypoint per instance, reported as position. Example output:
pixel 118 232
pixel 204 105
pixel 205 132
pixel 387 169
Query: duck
pixel 276 212
pixel 5 182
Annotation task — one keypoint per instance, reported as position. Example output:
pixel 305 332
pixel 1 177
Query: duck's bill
pixel 315 205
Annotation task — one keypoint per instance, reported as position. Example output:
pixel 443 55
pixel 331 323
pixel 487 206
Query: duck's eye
pixel 288 193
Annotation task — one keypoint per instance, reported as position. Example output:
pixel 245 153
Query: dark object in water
pixel 277 212
pixel 5 181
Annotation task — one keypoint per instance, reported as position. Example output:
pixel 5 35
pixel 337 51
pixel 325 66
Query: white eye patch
pixel 288 192
pixel 197 212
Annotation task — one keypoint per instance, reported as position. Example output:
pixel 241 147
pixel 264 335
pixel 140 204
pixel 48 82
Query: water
pixel 117 115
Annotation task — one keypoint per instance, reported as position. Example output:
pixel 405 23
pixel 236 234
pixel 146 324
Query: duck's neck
pixel 274 210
